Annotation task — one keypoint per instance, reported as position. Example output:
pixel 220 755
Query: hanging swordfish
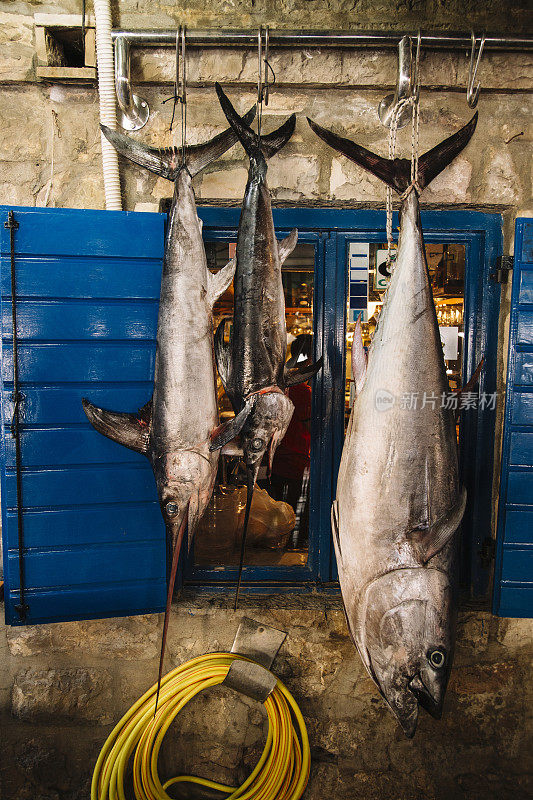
pixel 399 502
pixel 174 429
pixel 252 364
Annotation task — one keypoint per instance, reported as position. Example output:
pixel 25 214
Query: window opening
pixel 278 533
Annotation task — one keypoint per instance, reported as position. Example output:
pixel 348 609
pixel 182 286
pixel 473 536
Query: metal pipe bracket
pixel 261 643
pixel 133 110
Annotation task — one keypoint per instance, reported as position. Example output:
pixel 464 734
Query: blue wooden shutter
pixel 513 590
pixel 87 297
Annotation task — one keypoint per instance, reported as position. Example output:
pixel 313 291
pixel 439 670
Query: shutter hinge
pixel 11 222
pixel 487 553
pixel 504 265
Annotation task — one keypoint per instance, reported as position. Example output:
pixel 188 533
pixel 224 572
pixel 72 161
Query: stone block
pixel 500 182
pixel 16 47
pixel 481 679
pixel 451 185
pixel 67 695
pixel 228 184
pixel 293 177
pixel 128 638
pixel 350 182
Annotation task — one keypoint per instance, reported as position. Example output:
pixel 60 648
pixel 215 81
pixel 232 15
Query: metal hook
pixel 472 94
pixel 404 89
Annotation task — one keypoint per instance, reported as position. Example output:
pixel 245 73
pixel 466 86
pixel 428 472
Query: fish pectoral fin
pixel 287 245
pixel 292 377
pixel 335 528
pixel 222 353
pixel 428 541
pixel 219 281
pixel 145 413
pixel 130 430
pixel 359 357
pixel 229 430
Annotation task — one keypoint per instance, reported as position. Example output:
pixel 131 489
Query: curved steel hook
pixel 407 81
pixel 472 94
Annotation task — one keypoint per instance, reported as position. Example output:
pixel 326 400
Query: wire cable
pixel 281 773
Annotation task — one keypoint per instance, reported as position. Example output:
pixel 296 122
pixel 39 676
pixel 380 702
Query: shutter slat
pixel 513 584
pixel 87 298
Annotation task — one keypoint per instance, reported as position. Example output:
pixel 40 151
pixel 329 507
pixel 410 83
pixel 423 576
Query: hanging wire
pixel 260 87
pixel 264 67
pixel 414 101
pixel 180 88
pixel 182 94
pixel 267 66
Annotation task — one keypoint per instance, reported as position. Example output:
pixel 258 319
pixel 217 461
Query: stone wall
pixel 63 686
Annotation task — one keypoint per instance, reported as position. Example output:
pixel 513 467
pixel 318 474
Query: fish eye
pixel 437 658
pixel 256 444
pixel 171 508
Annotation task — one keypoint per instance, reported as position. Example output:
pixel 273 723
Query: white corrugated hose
pixel 106 92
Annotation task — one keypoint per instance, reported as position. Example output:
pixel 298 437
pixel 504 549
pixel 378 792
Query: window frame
pixel 331 230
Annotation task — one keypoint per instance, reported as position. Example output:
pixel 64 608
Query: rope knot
pixel 413 187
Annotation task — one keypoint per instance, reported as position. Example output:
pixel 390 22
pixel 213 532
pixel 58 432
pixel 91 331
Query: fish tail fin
pixel 163 161
pixel 267 145
pixel 397 172
pixel 199 156
pixel 167 161
pixel 130 430
pixel 273 142
pixel 436 159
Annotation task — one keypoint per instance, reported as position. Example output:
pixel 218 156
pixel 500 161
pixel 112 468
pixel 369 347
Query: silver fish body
pixel 174 429
pixel 252 365
pixel 398 487
pixel 399 501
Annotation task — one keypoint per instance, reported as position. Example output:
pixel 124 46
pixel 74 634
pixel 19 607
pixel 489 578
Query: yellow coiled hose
pixel 281 773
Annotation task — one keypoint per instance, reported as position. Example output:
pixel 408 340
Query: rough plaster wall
pixel 62 686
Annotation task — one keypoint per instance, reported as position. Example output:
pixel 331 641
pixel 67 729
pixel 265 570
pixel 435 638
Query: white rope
pixel 50 188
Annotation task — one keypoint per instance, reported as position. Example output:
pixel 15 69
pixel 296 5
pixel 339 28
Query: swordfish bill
pixel 173 430
pixel 252 364
pixel 399 501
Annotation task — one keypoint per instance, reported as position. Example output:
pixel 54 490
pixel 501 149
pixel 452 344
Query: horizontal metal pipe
pixel 287 38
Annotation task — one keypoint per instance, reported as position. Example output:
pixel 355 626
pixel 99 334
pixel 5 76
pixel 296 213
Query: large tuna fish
pixel 252 364
pixel 174 429
pixel 399 502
